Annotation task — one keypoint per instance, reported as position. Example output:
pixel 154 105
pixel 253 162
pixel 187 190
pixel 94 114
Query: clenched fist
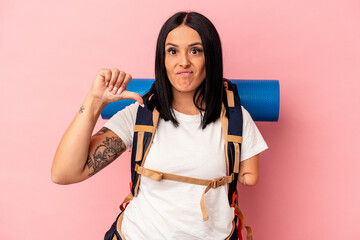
pixel 109 85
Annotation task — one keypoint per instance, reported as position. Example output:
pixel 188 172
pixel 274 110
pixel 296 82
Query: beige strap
pixel 139 146
pixel 158 176
pixel 224 127
pixel 156 116
pixel 213 184
pixel 230 98
pixel 229 95
pixel 143 128
pixel 118 225
pixel 224 123
pixel 249 234
pixel 242 220
pixel 234 138
pixel 237 157
pixel 128 198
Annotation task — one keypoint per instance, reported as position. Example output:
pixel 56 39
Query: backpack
pixel 144 132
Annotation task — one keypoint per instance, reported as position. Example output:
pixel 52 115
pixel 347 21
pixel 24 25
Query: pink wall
pixel 50 52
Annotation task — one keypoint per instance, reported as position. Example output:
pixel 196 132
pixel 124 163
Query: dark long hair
pixel 211 91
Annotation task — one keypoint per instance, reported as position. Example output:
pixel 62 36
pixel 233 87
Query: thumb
pixel 132 95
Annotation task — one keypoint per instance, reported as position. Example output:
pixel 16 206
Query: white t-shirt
pixel 171 210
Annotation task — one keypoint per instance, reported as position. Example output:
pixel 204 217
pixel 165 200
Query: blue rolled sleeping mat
pixel 261 98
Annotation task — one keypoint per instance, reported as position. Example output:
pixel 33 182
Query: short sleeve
pixel 122 123
pixel 252 143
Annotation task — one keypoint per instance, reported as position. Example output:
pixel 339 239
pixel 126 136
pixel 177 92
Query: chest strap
pixel 158 176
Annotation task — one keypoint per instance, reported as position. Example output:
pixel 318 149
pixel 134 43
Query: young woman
pixel 189 93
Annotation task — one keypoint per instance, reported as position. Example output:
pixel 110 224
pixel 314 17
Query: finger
pixel 119 81
pixel 126 81
pixel 114 78
pixel 132 95
pixel 114 75
pixel 106 74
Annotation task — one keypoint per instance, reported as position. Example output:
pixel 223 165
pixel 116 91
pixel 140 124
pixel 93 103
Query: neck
pixel 183 102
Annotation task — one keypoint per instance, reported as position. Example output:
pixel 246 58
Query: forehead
pixel 183 35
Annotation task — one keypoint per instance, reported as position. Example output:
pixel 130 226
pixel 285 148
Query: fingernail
pixel 142 105
pixel 106 84
pixel 114 90
pixel 118 92
pixel 111 87
pixel 121 89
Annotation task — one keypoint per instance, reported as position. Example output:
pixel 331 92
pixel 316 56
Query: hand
pixel 109 85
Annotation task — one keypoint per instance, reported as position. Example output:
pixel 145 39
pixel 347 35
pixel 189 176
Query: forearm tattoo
pixel 81 110
pixel 105 153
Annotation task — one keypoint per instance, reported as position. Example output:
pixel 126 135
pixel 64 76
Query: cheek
pixel 167 65
pixel 202 69
pixel 170 68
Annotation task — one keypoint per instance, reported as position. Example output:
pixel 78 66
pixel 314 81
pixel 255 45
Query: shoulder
pixel 132 109
pixel 246 114
pixel 248 123
pixel 253 142
pixel 129 111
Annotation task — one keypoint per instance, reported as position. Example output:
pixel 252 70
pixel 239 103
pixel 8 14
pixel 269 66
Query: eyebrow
pixel 190 45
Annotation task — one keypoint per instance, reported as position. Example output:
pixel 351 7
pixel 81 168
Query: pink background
pixel 50 52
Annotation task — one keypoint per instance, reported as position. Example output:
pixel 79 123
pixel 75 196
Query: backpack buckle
pixel 218 182
pixel 222 181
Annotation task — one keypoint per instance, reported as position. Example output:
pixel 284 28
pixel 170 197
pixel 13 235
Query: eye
pixel 172 51
pixel 195 50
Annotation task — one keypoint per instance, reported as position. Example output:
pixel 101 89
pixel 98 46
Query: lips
pixel 184 72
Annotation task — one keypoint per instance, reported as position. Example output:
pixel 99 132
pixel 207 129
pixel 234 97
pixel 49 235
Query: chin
pixel 185 84
pixel 184 89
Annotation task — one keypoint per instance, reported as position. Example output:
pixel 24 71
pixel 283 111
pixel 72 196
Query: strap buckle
pixel 218 182
pixel 222 181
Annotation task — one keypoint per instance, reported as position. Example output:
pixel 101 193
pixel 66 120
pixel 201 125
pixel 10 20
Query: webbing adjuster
pixel 217 182
pixel 136 167
pixel 221 181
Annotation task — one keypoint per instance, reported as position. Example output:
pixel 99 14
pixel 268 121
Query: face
pixel 184 59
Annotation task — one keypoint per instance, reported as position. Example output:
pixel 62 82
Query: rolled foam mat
pixel 261 98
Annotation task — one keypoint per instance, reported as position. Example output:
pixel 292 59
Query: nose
pixel 184 60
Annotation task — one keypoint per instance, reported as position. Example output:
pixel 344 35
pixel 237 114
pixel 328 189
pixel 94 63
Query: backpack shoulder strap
pixel 144 131
pixel 232 131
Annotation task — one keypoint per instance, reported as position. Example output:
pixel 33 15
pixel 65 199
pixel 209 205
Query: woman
pixel 188 92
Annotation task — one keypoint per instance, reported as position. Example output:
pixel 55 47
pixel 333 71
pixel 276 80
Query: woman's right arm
pixel 80 155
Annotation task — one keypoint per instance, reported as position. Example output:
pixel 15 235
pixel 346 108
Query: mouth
pixel 184 72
